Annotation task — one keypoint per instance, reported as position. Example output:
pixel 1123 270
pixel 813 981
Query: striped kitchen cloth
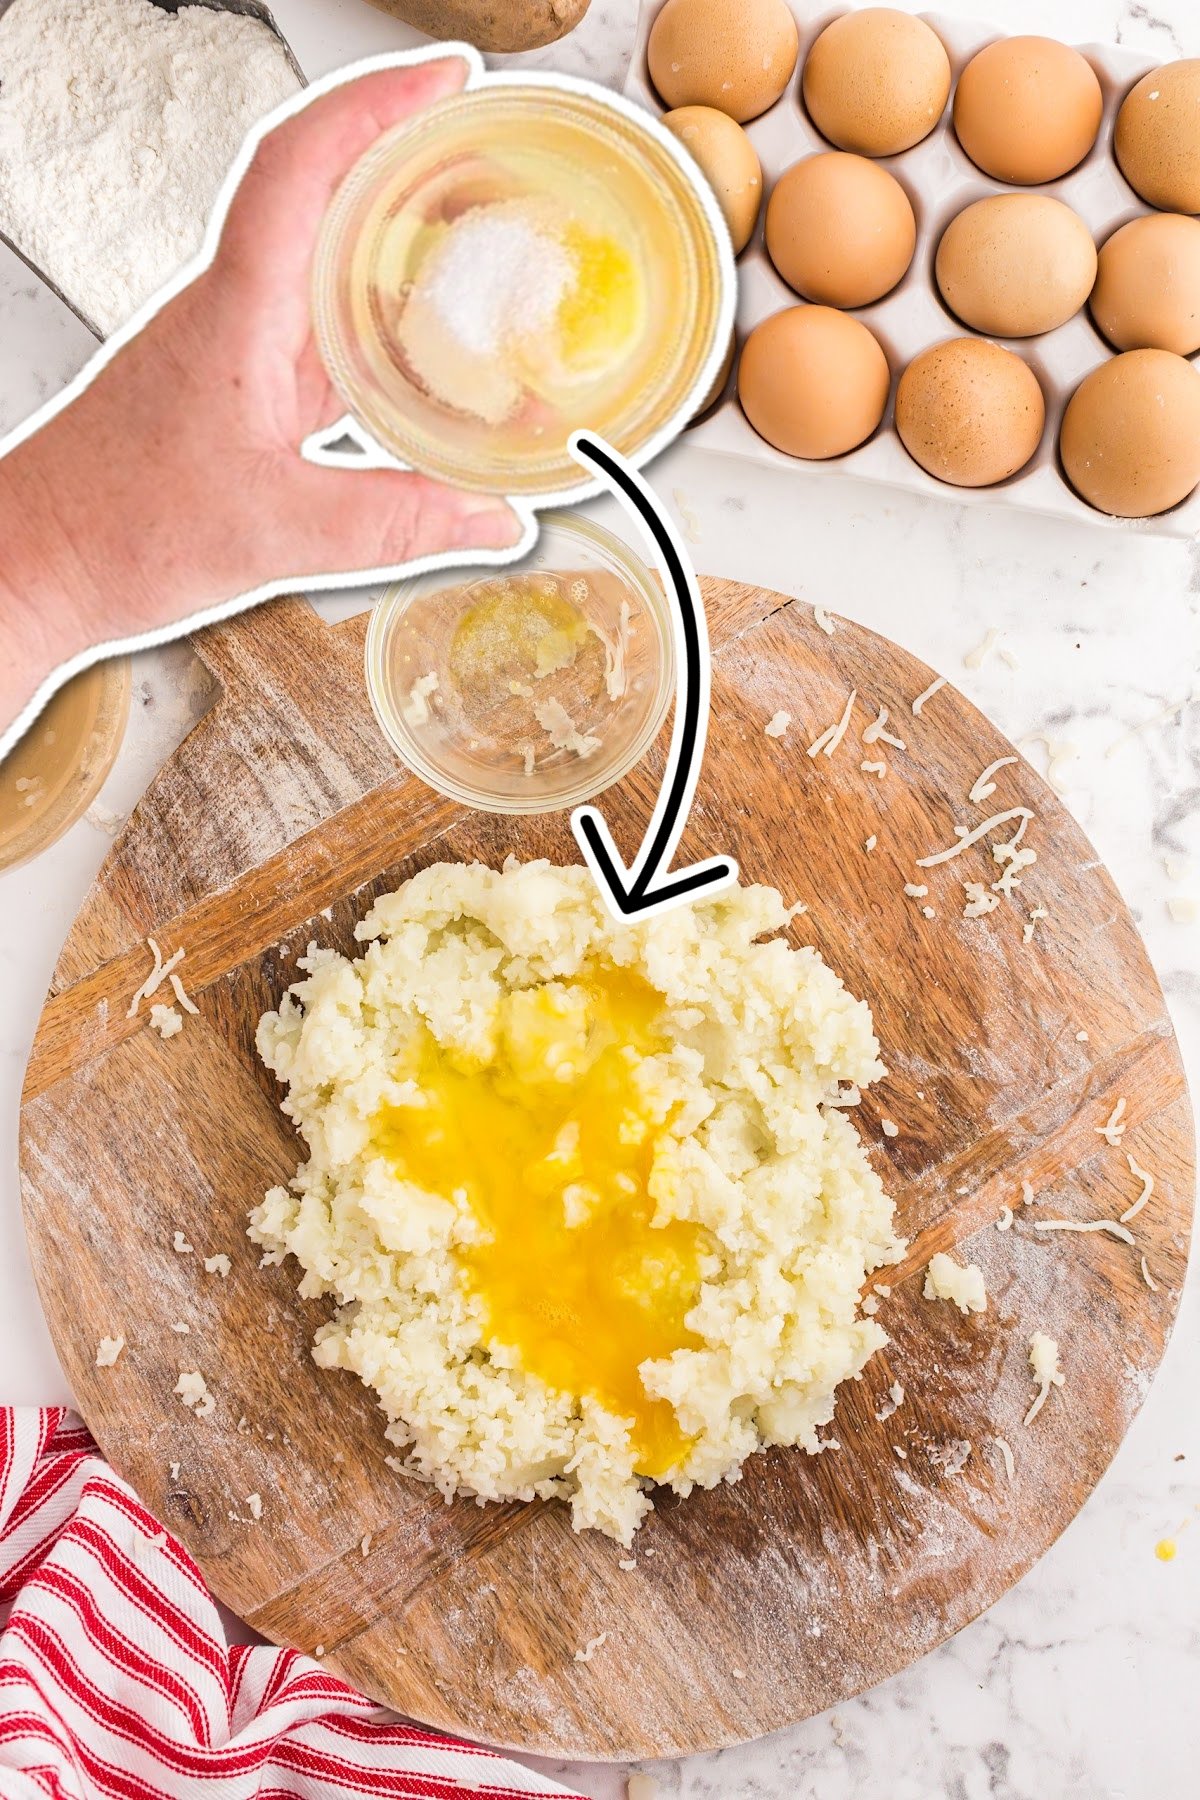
pixel 116 1680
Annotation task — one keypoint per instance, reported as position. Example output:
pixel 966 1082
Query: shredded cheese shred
pixel 875 731
pixel 972 837
pixel 1147 1181
pixel 935 687
pixel 156 977
pixel 1044 1366
pixel 1114 1127
pixel 828 741
pixel 985 787
pixel 1112 1226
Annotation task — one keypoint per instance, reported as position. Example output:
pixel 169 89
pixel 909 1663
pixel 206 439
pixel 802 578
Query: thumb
pixel 348 520
pixel 275 214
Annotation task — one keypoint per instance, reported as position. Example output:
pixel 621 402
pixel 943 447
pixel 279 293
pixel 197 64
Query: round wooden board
pixel 276 822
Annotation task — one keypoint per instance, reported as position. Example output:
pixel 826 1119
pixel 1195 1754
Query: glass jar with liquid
pixel 55 771
pixel 519 262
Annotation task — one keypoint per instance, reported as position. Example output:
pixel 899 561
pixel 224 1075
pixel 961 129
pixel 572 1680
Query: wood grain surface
pixel 277 822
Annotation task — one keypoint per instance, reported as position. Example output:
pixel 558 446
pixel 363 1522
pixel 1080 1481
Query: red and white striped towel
pixel 116 1680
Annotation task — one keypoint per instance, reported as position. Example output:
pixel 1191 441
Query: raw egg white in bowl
pixel 526 259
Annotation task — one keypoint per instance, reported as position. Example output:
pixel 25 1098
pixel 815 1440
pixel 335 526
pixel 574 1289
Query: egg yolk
pixel 553 1143
pixel 519 629
pixel 600 313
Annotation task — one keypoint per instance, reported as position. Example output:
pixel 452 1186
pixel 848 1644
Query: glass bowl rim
pixel 714 245
pixel 393 604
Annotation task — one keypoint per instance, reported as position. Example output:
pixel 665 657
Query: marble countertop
pixel 1081 1682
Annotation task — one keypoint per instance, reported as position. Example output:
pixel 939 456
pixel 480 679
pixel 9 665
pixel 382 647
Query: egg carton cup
pixel 250 9
pixel 940 180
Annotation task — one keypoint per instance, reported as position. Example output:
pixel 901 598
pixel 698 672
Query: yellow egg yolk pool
pixel 553 1141
pixel 600 313
pixel 520 629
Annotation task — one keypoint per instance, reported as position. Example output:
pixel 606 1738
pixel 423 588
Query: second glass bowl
pixel 528 688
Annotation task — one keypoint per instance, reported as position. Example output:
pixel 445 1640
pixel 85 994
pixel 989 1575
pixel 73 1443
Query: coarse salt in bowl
pixel 524 260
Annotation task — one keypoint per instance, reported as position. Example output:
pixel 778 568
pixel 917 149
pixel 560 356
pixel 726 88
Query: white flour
pixel 118 123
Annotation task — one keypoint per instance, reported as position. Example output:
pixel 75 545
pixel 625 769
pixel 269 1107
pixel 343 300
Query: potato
pixel 490 24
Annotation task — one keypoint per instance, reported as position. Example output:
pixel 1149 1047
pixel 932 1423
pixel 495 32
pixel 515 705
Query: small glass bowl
pixel 59 766
pixel 591 160
pixel 584 605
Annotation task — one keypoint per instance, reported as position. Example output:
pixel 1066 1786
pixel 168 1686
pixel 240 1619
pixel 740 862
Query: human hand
pixel 174 482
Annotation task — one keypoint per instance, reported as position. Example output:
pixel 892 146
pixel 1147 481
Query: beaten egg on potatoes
pixel 580 1190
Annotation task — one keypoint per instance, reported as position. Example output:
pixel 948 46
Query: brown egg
pixel 876 81
pixel 969 412
pixel 1147 292
pixel 813 382
pixel 1015 265
pixel 840 229
pixel 1027 109
pixel 736 55
pixel 1130 439
pixel 1157 137
pixel 727 158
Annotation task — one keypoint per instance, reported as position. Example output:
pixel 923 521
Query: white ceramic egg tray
pixel 940 180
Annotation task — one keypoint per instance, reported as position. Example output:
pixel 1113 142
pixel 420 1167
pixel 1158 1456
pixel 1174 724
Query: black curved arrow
pixel 638 890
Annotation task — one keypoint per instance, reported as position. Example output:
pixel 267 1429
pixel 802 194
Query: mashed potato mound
pixel 582 1191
